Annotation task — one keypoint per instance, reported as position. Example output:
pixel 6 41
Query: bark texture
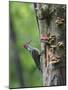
pixel 52 22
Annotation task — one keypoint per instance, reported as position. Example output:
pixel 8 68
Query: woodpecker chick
pixel 35 54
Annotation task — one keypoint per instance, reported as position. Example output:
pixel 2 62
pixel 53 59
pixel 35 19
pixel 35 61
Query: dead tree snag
pixel 52 24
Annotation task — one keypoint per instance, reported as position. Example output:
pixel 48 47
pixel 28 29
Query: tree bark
pixel 15 59
pixel 52 21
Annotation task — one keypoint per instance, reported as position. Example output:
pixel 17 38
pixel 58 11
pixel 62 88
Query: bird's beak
pixel 24 46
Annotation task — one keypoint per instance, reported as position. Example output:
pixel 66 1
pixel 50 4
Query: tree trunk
pixel 15 59
pixel 52 23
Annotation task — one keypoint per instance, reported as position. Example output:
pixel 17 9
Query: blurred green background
pixel 23 27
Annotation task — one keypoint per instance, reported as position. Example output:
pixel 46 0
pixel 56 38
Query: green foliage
pixel 25 27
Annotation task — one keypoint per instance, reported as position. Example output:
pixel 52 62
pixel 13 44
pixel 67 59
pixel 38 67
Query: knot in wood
pixel 52 39
pixel 60 44
pixel 59 21
pixel 54 59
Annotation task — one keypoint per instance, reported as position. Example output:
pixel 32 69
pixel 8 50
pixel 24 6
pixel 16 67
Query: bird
pixel 35 54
